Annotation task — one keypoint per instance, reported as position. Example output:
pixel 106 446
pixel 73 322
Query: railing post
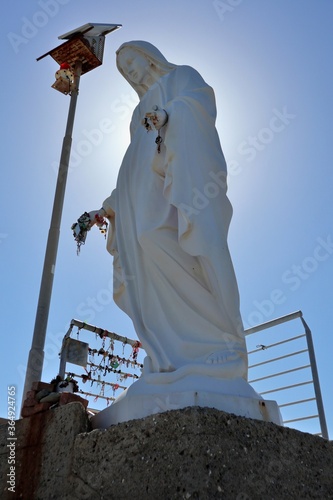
pixel 315 378
pixel 63 352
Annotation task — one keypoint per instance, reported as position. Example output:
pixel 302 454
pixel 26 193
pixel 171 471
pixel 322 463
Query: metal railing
pixel 297 357
pixel 110 361
pixel 270 366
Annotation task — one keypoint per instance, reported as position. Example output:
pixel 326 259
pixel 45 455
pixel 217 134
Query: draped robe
pixel 173 275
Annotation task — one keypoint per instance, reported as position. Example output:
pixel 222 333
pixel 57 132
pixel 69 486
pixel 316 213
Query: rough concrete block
pixel 200 453
pixel 182 454
pixel 44 450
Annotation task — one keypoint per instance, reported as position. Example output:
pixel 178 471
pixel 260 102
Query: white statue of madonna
pixel 169 217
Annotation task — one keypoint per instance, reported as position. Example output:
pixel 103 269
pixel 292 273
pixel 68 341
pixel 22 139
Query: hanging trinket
pixel 80 229
pixel 83 225
pixel 135 350
pixel 158 141
pixel 156 120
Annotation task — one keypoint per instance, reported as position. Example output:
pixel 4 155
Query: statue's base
pixel 230 395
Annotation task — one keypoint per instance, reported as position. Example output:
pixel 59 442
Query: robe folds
pixel 173 275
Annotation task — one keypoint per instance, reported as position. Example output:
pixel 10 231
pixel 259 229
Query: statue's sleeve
pixel 109 203
pixel 195 172
pixel 109 207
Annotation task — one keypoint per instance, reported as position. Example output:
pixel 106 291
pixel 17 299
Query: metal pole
pixel 64 351
pixel 36 354
pixel 103 332
pixel 315 377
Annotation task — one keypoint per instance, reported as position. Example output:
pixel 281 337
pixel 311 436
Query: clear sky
pixel 270 64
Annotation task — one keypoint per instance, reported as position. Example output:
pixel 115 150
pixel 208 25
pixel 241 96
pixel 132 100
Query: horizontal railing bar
pixel 297 402
pixel 96 396
pixel 273 322
pixel 287 387
pixel 301 418
pixel 277 359
pixel 97 381
pixel 280 373
pixel 101 331
pixel 113 370
pixel 264 347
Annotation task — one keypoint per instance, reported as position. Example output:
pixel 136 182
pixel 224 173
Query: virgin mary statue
pixel 169 218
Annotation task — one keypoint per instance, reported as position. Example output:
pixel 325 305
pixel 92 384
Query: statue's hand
pixel 85 222
pixel 158 117
pixel 97 217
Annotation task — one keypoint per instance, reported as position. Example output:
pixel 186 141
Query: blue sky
pixel 270 66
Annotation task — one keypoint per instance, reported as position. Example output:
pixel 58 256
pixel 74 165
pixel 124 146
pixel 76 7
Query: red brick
pixel 39 386
pixel 29 402
pixel 31 394
pixel 69 397
pixel 28 412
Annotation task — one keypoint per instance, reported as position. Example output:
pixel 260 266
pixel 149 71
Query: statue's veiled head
pixel 142 64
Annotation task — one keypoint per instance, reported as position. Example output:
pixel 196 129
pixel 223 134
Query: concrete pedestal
pixel 142 399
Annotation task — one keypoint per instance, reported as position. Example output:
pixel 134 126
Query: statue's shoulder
pixel 188 75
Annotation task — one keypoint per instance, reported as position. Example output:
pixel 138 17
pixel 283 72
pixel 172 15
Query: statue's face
pixel 133 64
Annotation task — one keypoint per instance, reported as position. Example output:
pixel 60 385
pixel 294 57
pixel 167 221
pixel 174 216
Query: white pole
pixel 36 354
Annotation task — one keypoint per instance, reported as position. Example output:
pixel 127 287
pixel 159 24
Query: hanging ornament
pixel 111 346
pixel 65 72
pixel 102 224
pixel 135 350
pixel 64 79
pixel 83 225
pixel 80 229
pixel 114 363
